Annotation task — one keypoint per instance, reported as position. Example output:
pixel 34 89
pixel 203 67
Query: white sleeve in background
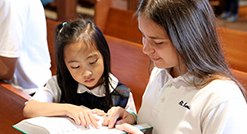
pixel 23 34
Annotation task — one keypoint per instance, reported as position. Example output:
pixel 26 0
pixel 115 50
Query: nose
pixel 87 74
pixel 147 47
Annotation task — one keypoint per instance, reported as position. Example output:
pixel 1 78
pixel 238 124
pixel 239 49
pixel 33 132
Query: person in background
pixel 84 80
pixel 24 54
pixel 190 90
pixel 46 2
pixel 230 12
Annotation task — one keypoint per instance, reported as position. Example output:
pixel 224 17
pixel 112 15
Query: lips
pixel 89 80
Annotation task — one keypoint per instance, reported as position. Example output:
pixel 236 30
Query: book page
pixel 66 125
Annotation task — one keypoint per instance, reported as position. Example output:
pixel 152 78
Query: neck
pixel 177 71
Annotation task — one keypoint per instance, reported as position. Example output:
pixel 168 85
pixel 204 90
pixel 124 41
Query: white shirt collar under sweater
pixel 99 90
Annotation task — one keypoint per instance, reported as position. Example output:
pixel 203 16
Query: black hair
pixel 87 32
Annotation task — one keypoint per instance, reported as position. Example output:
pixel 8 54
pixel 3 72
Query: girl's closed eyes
pixel 91 60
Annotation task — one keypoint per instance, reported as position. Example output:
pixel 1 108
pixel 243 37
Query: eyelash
pixel 158 43
pixel 75 67
pixel 94 62
pixel 89 63
pixel 153 41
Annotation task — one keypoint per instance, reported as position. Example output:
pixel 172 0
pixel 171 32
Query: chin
pixel 159 66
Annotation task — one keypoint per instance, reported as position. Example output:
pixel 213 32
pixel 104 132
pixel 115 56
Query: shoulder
pixel 15 6
pixel 52 79
pixel 52 83
pixel 221 102
pixel 224 88
pixel 122 90
pixel 220 91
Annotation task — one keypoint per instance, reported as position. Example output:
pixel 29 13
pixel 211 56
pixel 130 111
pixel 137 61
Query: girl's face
pixel 85 64
pixel 157 45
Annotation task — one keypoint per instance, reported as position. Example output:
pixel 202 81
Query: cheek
pixel 74 74
pixel 100 68
pixel 168 54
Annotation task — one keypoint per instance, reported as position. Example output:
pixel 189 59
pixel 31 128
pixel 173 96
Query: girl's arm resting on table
pixel 35 108
pixel 81 115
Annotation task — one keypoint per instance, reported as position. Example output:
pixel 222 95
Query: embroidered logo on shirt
pixel 184 104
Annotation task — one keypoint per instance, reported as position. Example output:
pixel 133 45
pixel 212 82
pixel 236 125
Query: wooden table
pixel 11 105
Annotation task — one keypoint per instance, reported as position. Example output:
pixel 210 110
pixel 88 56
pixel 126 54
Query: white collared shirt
pixel 52 93
pixel 99 91
pixel 172 106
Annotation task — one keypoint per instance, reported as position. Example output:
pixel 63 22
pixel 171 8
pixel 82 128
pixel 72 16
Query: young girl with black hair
pixel 84 80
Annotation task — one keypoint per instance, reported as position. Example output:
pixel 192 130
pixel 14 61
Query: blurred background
pixel 86 9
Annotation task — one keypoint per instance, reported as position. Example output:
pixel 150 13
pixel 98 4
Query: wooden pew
pixel 66 9
pixel 51 25
pixel 133 4
pixel 117 22
pixel 121 24
pixel 234 44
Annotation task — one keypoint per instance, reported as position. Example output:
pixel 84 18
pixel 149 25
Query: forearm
pixel 7 67
pixel 35 108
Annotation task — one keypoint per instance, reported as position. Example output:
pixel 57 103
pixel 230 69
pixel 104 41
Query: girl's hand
pixel 98 112
pixel 128 128
pixel 117 115
pixel 82 115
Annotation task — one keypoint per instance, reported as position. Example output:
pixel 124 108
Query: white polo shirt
pixel 172 106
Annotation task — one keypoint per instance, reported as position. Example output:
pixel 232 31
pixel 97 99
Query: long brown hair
pixel 190 26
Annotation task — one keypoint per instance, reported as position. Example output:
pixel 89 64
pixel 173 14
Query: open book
pixel 66 125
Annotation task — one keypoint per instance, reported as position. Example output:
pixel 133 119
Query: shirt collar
pixel 165 77
pixel 187 78
pixel 99 91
